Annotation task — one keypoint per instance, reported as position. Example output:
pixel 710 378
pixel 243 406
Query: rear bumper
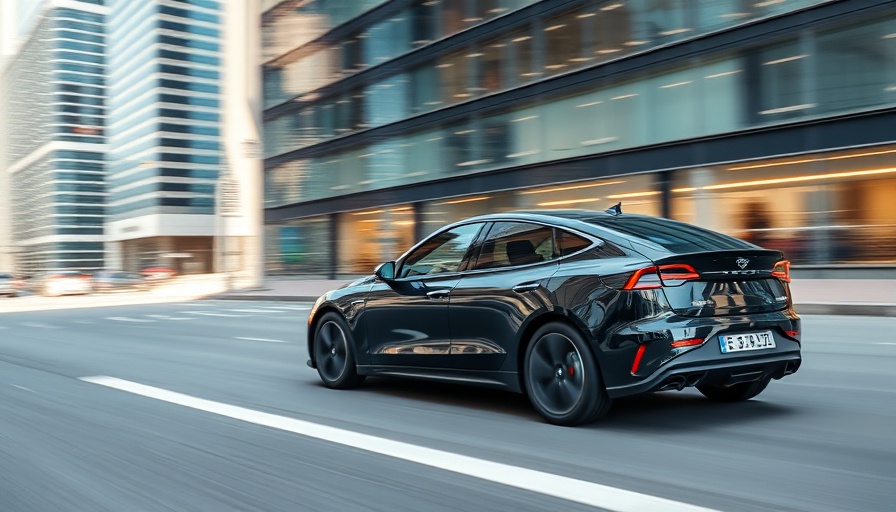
pixel 686 374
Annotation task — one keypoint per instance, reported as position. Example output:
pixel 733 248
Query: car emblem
pixel 742 262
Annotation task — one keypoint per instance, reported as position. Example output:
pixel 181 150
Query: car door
pixel 407 317
pixel 503 287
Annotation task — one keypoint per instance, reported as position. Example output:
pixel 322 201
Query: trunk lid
pixel 737 282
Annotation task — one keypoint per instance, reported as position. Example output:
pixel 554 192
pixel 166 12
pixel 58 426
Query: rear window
pixel 674 236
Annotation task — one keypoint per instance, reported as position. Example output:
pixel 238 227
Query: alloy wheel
pixel 557 376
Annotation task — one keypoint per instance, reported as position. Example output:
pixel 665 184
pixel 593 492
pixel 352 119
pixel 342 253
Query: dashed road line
pixel 36 325
pixel 256 311
pixel 209 313
pixel 169 317
pixel 260 339
pixel 128 319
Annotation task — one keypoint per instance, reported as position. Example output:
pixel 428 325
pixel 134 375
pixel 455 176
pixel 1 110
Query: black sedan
pixel 572 308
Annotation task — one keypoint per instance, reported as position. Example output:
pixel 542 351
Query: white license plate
pixel 746 341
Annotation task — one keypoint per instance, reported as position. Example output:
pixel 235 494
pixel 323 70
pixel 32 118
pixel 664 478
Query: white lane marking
pixel 566 488
pixel 37 325
pixel 291 308
pixel 260 339
pixel 168 317
pixel 127 319
pixel 255 311
pixel 3 327
pixel 209 313
pixel 20 387
pixel 885 343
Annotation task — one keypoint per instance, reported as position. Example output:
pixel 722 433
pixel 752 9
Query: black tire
pixel 562 378
pixel 334 353
pixel 734 392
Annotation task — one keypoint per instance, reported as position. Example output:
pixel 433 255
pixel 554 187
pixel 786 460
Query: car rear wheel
pixel 562 378
pixel 734 392
pixel 334 353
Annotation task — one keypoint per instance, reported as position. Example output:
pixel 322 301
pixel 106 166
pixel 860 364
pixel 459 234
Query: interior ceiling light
pixel 808 160
pixel 467 200
pixel 813 177
pixel 569 201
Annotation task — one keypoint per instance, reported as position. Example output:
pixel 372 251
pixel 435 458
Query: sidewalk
pixel 871 297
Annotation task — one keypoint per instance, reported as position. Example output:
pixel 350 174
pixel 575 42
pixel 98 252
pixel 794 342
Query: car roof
pixel 588 221
pixel 558 216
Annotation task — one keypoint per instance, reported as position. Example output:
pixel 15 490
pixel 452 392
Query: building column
pixel 114 255
pixel 706 211
pixel 241 132
pixel 334 246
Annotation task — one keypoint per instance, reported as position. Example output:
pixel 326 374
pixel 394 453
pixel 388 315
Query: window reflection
pixel 454 77
pixel 815 208
pixel 563 38
pixel 368 238
pixel 856 67
pixel 522 56
pixel 298 247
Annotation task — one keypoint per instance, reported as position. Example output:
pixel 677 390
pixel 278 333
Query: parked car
pixel 66 282
pixel 158 273
pixel 572 308
pixel 107 281
pixel 9 285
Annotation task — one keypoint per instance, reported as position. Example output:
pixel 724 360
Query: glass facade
pixel 331 134
pixel 56 122
pixel 164 107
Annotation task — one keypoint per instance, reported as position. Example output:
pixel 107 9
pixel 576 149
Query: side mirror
pixel 385 271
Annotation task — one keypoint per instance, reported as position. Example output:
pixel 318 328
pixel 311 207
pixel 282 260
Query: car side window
pixel 509 244
pixel 568 243
pixel 442 253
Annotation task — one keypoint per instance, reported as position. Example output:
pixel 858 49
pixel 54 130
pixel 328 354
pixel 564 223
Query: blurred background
pixel 321 137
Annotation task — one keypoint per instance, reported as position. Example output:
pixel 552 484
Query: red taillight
pixel 643 279
pixel 793 334
pixel 638 356
pixel 781 270
pixel 687 343
pixel 649 278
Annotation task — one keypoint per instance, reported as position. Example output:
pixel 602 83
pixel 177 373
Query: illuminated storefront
pixel 772 121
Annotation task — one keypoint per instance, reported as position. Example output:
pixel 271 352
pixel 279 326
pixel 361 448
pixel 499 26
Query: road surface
pixel 208 406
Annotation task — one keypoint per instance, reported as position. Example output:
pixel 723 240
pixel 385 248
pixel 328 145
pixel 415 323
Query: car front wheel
pixel 334 353
pixel 562 377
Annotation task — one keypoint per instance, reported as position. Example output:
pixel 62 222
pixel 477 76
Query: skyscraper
pixel 53 149
pixel 164 132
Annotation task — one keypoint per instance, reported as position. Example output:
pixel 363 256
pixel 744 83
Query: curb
pixel 273 298
pixel 886 310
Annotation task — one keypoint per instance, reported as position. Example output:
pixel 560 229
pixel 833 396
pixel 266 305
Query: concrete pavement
pixel 874 297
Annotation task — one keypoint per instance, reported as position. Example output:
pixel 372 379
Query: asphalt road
pixel 820 440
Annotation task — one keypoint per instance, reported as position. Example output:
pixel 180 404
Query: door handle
pixel 438 294
pixel 528 287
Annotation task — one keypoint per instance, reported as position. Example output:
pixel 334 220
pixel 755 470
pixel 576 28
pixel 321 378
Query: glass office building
pixel 54 90
pixel 774 121
pixel 164 133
